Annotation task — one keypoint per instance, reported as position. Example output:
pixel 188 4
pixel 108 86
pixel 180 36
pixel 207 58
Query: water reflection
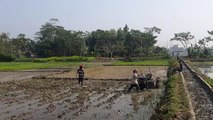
pixel 208 71
pixel 135 101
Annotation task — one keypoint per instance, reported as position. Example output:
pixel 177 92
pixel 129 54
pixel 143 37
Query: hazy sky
pixel 172 16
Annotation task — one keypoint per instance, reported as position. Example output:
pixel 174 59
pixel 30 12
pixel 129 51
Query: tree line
pixel 55 40
pixel 198 49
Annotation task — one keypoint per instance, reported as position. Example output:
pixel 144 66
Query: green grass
pixel 44 63
pixel 173 102
pixel 210 82
pixel 56 59
pixel 207 79
pixel 160 62
pixel 13 66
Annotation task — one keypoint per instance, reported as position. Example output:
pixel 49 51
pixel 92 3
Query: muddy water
pixel 65 99
pixel 132 106
pixel 20 75
pixel 207 71
pixel 200 98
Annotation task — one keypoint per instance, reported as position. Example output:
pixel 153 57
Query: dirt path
pixel 201 100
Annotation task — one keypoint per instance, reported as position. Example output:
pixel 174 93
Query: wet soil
pixel 200 98
pixel 115 72
pixel 27 74
pixel 35 99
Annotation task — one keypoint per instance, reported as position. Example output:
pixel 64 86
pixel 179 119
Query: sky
pixel 171 16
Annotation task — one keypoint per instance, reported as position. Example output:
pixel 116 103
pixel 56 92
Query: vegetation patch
pixel 56 59
pixel 174 103
pixel 13 66
pixel 6 58
pixel 209 81
pixel 160 62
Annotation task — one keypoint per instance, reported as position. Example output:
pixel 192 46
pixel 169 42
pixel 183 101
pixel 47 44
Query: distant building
pixel 177 51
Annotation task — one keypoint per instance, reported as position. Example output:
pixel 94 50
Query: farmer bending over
pixel 134 81
pixel 80 73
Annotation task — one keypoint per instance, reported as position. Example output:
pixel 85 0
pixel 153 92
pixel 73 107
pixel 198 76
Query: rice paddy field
pixel 22 97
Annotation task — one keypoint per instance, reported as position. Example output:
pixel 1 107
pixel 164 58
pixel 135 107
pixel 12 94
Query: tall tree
pixel 184 38
pixel 126 29
pixel 148 43
pixel 108 42
pixel 92 40
pixel 203 42
pixel 120 39
pixel 150 38
pixel 152 30
pixel 46 37
pixel 50 39
pixel 5 45
pixel 23 46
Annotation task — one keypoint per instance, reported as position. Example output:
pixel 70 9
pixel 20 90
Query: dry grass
pixel 115 72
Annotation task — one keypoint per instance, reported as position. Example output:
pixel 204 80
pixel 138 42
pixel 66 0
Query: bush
pixel 56 59
pixel 40 60
pixel 6 58
pixel 24 60
pixel 69 59
pixel 130 59
pixel 173 66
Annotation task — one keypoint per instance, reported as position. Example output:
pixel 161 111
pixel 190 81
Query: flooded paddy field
pixel 208 71
pixel 35 99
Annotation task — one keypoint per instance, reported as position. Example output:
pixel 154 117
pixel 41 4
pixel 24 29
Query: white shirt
pixel 134 78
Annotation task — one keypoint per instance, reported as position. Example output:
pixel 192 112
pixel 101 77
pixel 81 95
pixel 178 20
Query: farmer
pixel 134 81
pixel 180 66
pixel 142 81
pixel 157 82
pixel 80 74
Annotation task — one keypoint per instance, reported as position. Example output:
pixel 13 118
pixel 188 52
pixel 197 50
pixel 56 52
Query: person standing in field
pixel 80 74
pixel 157 82
pixel 180 66
pixel 134 81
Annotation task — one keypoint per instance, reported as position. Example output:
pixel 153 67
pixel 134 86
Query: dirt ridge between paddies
pixel 174 104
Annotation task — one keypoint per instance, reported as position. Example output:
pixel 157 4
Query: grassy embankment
pixel 44 63
pixel 13 66
pixel 157 62
pixel 195 66
pixel 174 103
pixel 67 62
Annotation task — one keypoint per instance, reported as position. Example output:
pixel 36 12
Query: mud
pixel 36 99
pixel 201 100
pixel 115 72
pixel 20 75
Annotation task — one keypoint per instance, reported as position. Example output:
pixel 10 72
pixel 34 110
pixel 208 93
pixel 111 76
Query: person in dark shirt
pixel 80 73
pixel 180 66
pixel 157 82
